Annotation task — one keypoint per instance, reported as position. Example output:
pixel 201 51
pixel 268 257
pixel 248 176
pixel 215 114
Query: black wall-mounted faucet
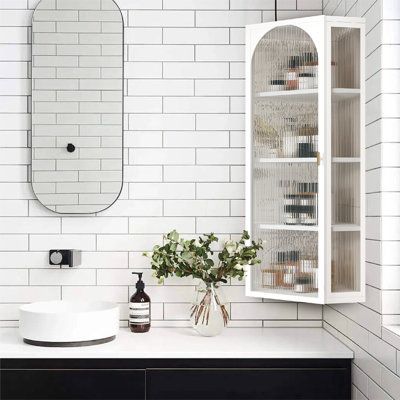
pixel 72 258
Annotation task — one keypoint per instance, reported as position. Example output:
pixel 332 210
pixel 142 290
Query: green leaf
pixel 209 262
pixel 174 236
pixel 186 255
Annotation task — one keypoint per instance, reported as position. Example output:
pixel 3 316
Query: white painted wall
pixel 376 373
pixel 184 155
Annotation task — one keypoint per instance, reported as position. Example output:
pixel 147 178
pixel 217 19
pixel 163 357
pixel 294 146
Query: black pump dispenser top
pixel 139 283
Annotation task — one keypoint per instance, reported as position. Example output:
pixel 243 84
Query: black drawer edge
pixel 122 363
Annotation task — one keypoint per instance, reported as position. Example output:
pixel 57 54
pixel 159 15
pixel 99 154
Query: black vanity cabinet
pixel 159 379
pixel 77 384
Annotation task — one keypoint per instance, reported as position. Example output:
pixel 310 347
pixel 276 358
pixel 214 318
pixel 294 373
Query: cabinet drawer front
pixel 72 384
pixel 262 384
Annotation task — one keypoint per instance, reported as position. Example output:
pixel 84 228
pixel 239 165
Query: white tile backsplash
pixel 10 277
pixel 196 70
pixel 196 173
pixel 26 294
pixel 184 140
pixel 265 311
pixel 57 277
pixel 227 18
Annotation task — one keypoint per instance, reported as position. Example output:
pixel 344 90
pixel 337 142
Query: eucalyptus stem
pixel 204 306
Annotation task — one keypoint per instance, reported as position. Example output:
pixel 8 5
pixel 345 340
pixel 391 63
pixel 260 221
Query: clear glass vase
pixel 209 314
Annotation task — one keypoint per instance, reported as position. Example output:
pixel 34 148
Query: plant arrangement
pixel 195 258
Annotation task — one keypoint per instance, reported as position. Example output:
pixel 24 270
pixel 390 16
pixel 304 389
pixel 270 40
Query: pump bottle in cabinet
pixel 139 308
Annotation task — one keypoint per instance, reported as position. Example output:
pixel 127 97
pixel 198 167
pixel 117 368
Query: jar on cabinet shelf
pixel 307 80
pixel 310 65
pixel 291 74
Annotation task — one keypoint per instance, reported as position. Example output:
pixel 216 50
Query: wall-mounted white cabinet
pixel 305 158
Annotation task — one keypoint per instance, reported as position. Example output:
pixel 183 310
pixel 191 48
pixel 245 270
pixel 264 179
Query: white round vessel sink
pixel 67 323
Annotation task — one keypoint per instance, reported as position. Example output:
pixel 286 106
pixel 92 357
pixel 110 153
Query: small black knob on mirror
pixel 70 148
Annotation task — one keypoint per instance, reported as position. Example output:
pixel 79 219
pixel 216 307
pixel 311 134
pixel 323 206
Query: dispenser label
pixel 139 313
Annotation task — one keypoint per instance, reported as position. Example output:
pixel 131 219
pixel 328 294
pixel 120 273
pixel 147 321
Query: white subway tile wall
pixel 376 372
pixel 184 152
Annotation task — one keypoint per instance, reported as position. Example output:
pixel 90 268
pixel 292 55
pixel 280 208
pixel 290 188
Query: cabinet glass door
pixel 346 167
pixel 285 160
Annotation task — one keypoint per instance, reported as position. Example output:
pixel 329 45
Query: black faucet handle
pixel 70 148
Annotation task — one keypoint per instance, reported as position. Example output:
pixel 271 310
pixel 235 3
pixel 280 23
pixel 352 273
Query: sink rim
pixel 63 323
pixel 61 307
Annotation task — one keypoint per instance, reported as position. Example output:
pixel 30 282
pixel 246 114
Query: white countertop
pixel 185 343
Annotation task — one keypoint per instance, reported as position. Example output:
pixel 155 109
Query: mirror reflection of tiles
pixel 77 97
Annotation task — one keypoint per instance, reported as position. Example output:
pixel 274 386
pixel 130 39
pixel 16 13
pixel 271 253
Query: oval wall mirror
pixel 77 104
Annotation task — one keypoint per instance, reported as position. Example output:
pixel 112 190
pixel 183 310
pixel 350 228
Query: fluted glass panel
pixel 285 194
pixel 345 261
pixel 285 128
pixel 346 193
pixel 285 168
pixel 345 175
pixel 289 263
pixel 346 128
pixel 285 59
pixel 345 60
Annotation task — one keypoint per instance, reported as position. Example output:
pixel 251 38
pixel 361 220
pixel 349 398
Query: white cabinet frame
pixel 319 29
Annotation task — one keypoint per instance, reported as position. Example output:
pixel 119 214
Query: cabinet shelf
pixel 282 227
pixel 288 160
pixel 339 94
pixel 345 160
pixel 345 228
pixel 295 95
pixel 290 295
pixel 310 228
pixel 308 215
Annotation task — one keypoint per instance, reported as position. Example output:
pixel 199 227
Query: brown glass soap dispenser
pixel 139 308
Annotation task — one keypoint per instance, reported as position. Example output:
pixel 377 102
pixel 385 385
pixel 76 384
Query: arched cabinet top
pixel 67 10
pixel 314 26
pixel 281 52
